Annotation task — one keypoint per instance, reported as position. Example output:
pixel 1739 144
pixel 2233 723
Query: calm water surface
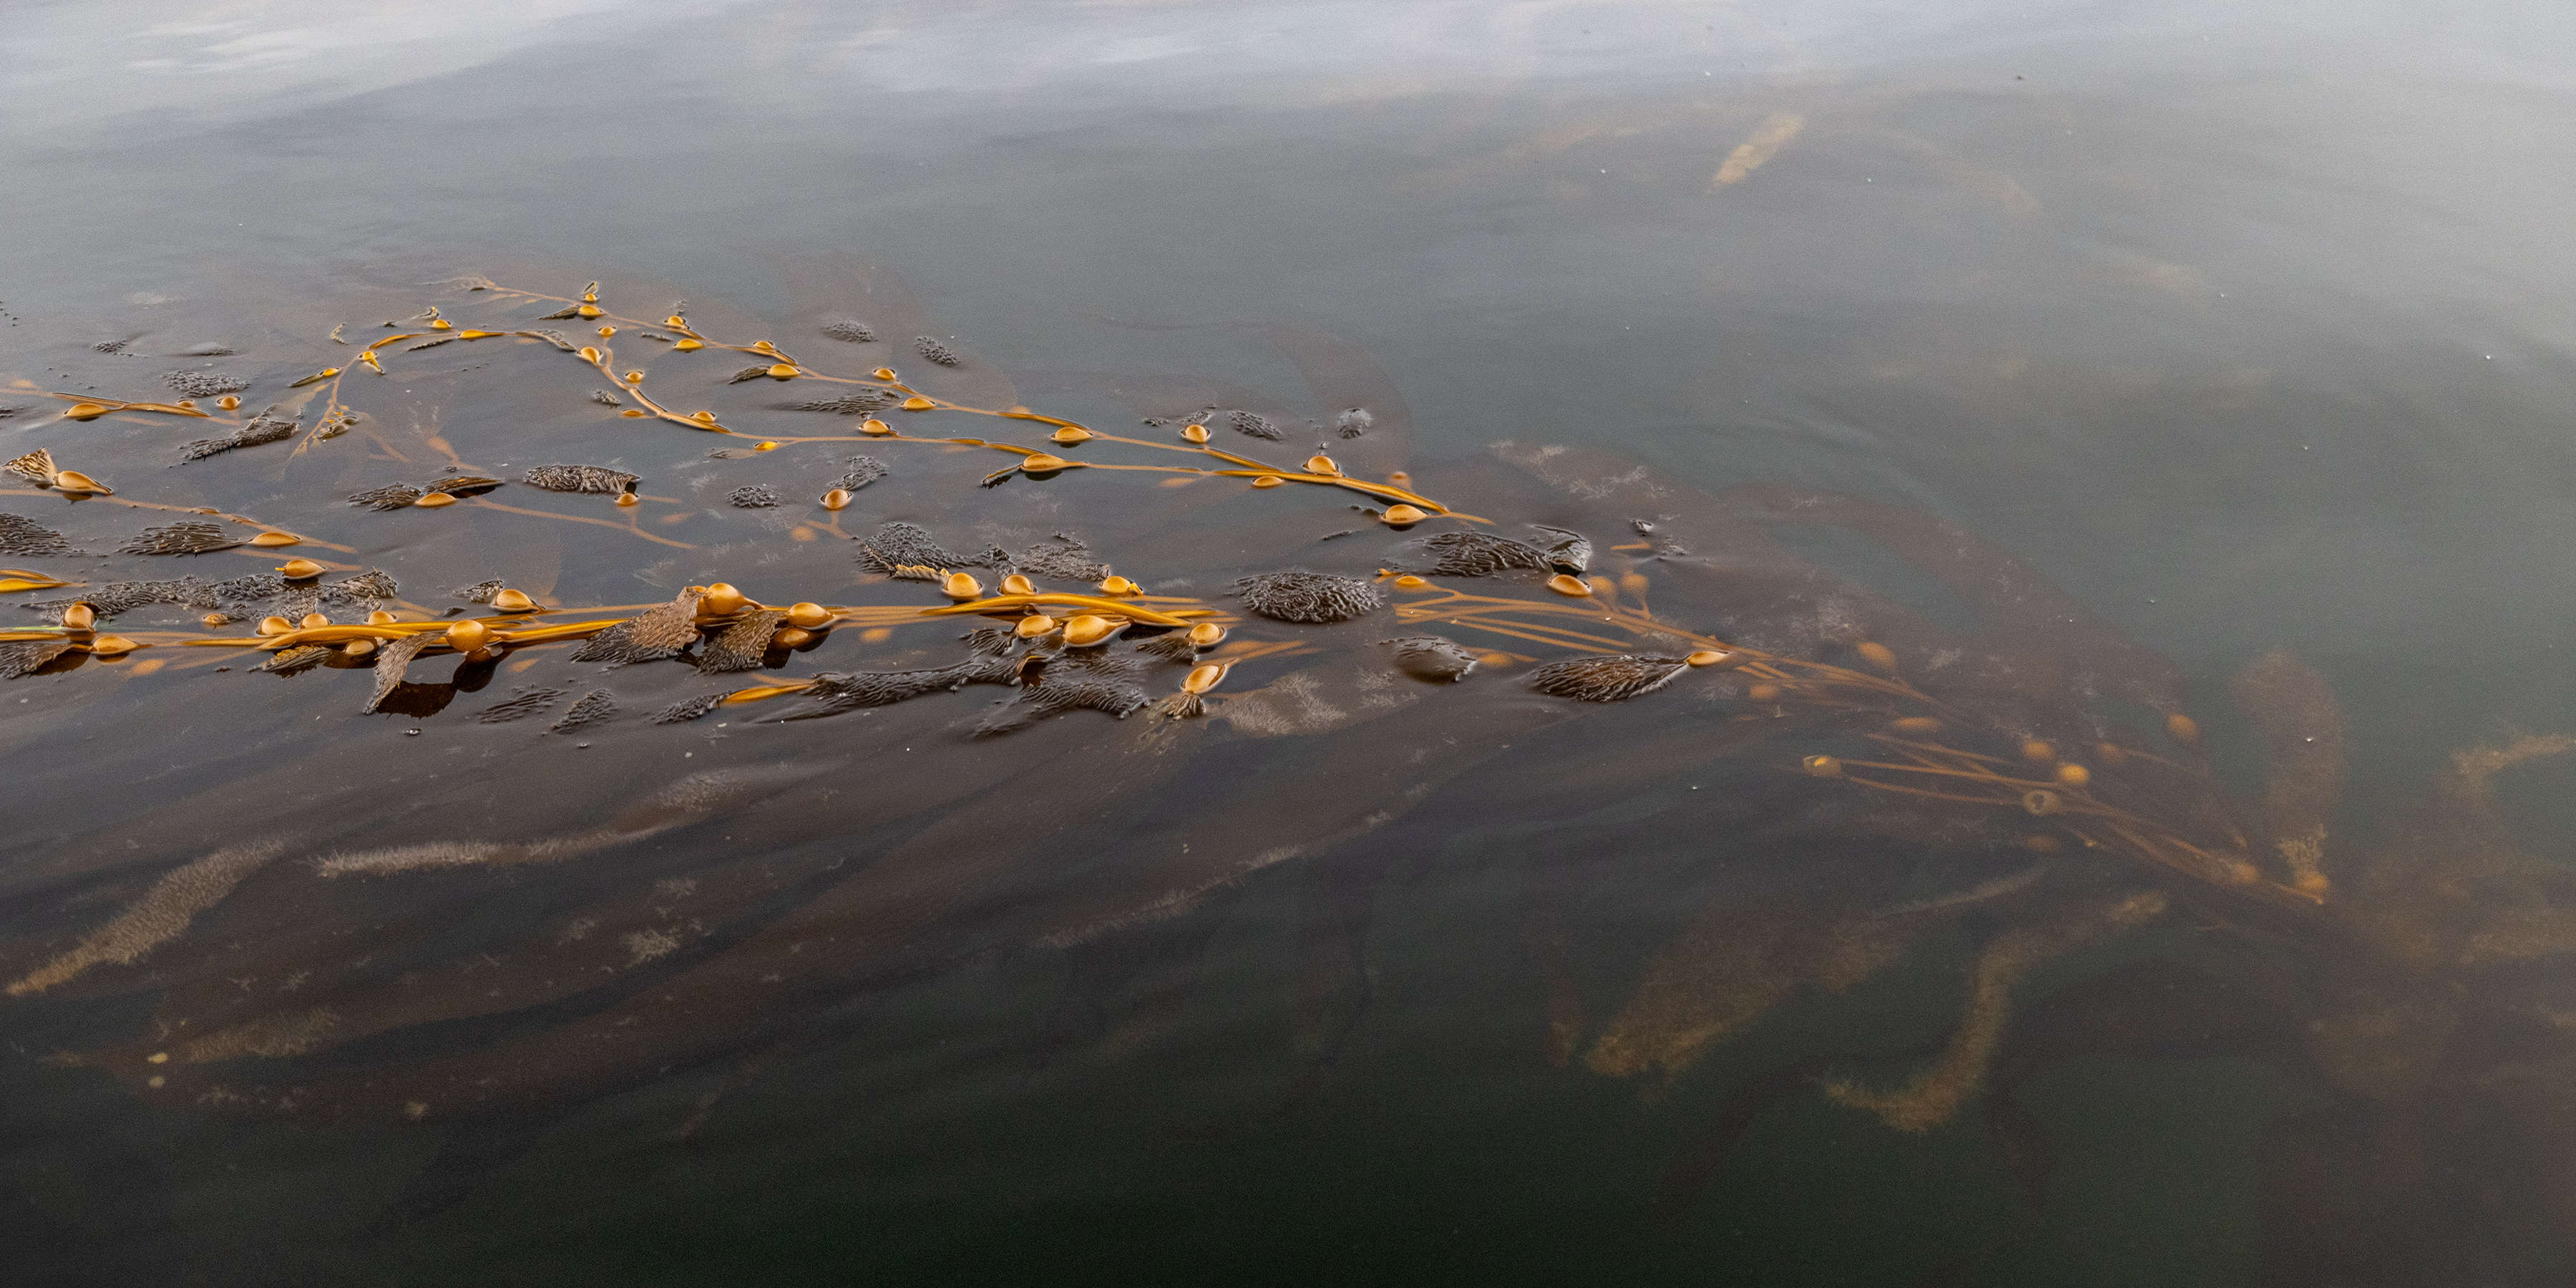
pixel 2105 362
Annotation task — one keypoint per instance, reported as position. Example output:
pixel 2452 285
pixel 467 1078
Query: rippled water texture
pixel 1793 645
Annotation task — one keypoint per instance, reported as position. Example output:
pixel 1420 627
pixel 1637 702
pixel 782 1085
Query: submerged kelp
pixel 928 756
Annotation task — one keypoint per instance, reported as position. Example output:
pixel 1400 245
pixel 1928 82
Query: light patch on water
pixel 161 915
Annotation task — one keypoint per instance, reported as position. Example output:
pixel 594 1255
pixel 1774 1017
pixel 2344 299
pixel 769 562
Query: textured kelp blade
pixel 20 535
pixel 1608 677
pixel 598 479
pixel 833 693
pixel 393 658
pixel 595 707
pixel 1479 554
pixel 191 537
pixel 742 645
pixel 656 634
pixel 1311 597
pixel 26 657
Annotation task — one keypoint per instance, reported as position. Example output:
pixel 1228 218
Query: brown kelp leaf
pixel 520 706
pixel 905 545
pixel 688 709
pixel 391 661
pixel 24 536
pixel 1306 596
pixel 392 496
pixel 26 657
pixel 594 707
pixel 1430 657
pixel 36 466
pixel 854 403
pixel 290 661
pixel 862 471
pixel 1479 554
pixel 193 537
pixel 1255 425
pixel 655 634
pixel 579 478
pixel 835 692
pixel 1606 677
pixel 204 384
pixel 263 428
pixel 742 645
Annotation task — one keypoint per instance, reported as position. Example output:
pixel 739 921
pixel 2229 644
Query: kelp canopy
pixel 567 683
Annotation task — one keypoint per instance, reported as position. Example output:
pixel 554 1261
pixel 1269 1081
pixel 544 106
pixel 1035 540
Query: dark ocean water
pixel 2106 362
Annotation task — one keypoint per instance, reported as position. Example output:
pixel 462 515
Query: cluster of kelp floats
pixel 2057 756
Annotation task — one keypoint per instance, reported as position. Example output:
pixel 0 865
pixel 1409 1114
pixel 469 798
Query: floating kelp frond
pixel 861 471
pixel 847 332
pixel 935 351
pixel 1481 554
pixel 555 338
pixel 1053 695
pixel 1253 424
pixel 1173 646
pixel 834 692
pixel 20 535
pixel 192 537
pixel 161 915
pixel 204 384
pixel 595 707
pixel 989 641
pixel 394 657
pixel 124 596
pixel 1571 552
pixel 1306 596
pixel 742 645
pixel 900 545
pixel 598 479
pixel 656 634
pixel 1607 677
pixel 397 495
pixel 1062 558
pixel 756 496
pixel 480 592
pixel 392 496
pixel 748 373
pixel 605 398
pixel 26 657
pixel 296 660
pixel 520 706
pixel 1430 657
pixel 688 709
pixel 263 428
pixel 36 467
pixel 367 588
pixel 854 403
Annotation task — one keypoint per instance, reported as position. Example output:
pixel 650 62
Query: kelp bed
pixel 966 730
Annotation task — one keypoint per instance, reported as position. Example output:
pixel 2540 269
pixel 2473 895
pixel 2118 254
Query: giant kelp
pixel 893 799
